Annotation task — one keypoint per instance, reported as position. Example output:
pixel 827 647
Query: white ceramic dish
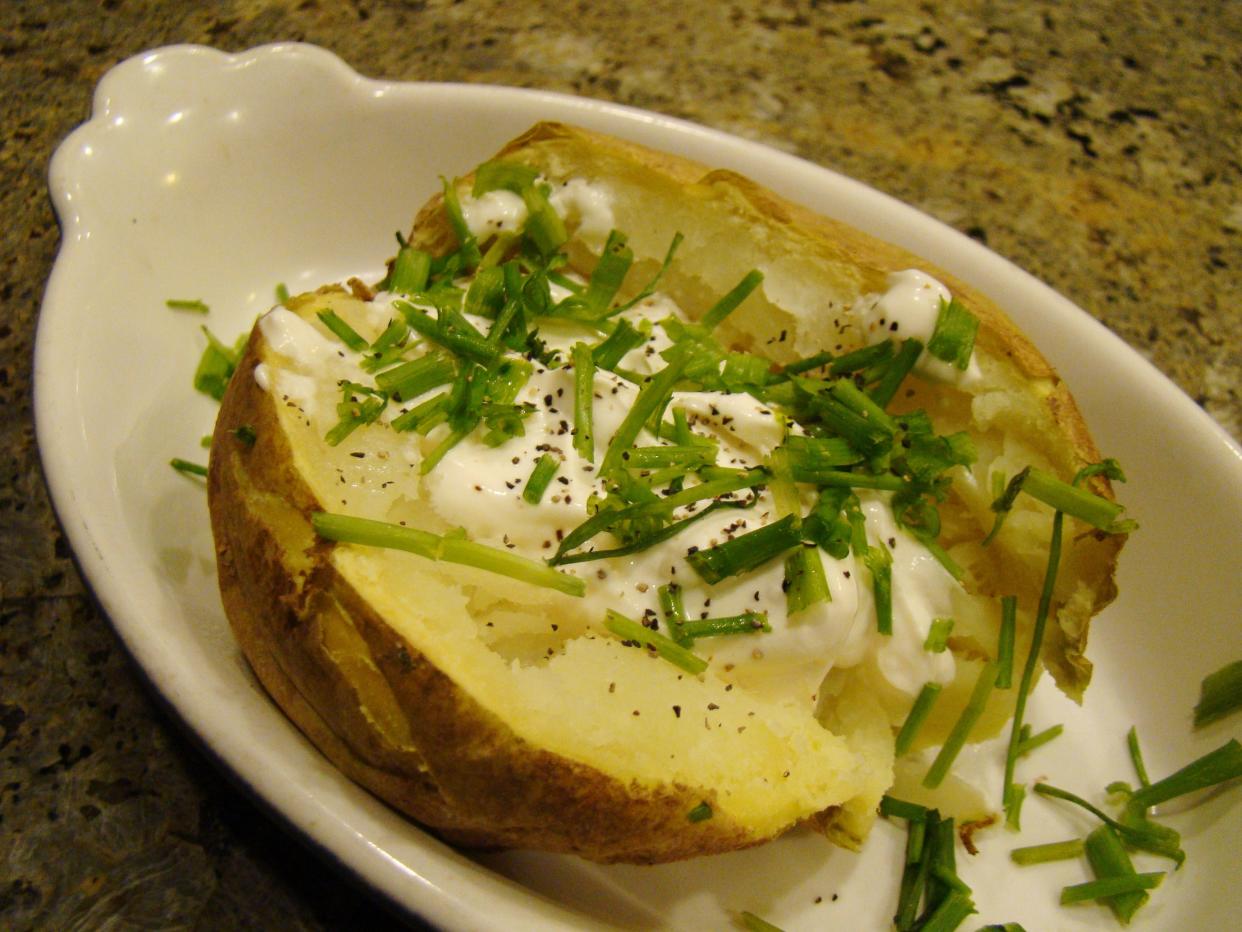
pixel 212 176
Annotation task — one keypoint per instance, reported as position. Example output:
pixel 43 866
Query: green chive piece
pixel 282 293
pixel 1225 763
pixel 729 303
pixel 205 441
pixel 892 807
pixel 961 729
pixel 914 872
pixel 850 395
pixel 1052 851
pixel 746 552
pixel 862 358
pixel 347 334
pixel 414 378
pixel 1031 742
pixel 185 466
pixel 951 913
pixel 422 414
pixel 807 364
pixel 691 456
pixel 216 365
pixel 938 635
pixel 471 345
pixel 1004 648
pixel 607 276
pixel 410 271
pixel 584 401
pixel 1136 832
pixel 651 400
pixel 354 530
pixel 879 561
pixel 644 541
pixel 806 584
pixel 629 630
pixel 1109 888
pixel 1014 796
pixel 1109 860
pixel 1078 502
pixel 1220 694
pixel 890 382
pixel 540 477
pixel 501 175
pixel 953 339
pixel 700 813
pixel 754 923
pixel 745 623
pixel 674 612
pixel 181 304
pixel 1136 756
pixel 835 478
pixel 917 716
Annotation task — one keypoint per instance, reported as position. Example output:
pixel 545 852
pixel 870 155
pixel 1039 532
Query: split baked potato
pixel 499 712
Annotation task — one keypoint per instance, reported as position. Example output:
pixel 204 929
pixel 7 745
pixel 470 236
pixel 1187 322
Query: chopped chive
pixel 409 271
pixel 862 358
pixel 820 452
pixel 413 419
pixel 441 450
pixel 544 226
pixel 414 378
pixel 1136 756
pixel 282 293
pixel 729 303
pixel 895 373
pixel 1108 888
pixel 961 729
pixel 807 364
pixel 181 304
pixel 746 552
pixel 1004 647
pixel 879 561
pixel 347 334
pixel 185 466
pixel 1137 832
pixel 1052 851
pixel 914 872
pixel 607 276
pixel 1220 694
pixel 540 477
pixel 506 563
pixel 624 338
pixel 629 630
pixel 942 858
pixel 1078 502
pixel 951 913
pixel 690 456
pixel 205 441
pixel 745 623
pixel 700 813
pixel 584 401
pixel 651 400
pixel 836 478
pixel 216 365
pixel 850 395
pixel 501 175
pixel 644 541
pixel 674 612
pixel 471 345
pixel 917 716
pixel 805 581
pixel 1030 742
pixel 1225 763
pixel 354 530
pixel 1109 860
pixel 1010 799
pixel 893 807
pixel 953 339
pixel 938 635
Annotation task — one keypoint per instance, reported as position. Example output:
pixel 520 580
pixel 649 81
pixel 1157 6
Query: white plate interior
pixel 213 176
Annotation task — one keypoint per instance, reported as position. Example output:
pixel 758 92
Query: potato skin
pixel 397 725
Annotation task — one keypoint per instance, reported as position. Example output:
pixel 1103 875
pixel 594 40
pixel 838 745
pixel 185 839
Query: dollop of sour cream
pixel 909 308
pixel 479 487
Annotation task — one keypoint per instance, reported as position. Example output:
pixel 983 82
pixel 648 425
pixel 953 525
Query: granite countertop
pixel 1095 144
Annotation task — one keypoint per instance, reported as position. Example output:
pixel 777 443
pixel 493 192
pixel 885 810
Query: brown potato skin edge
pixel 464 773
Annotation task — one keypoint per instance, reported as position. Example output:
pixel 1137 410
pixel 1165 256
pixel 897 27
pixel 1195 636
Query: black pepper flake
pixel 636 713
pixel 892 542
pixel 712 707
pixel 612 687
pixel 358 455
pixel 677 711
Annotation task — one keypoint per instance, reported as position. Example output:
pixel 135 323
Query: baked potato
pixel 504 685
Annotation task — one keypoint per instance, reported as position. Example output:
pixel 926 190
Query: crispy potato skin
pixel 394 723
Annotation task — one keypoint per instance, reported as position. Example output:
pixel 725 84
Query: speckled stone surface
pixel 1095 144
